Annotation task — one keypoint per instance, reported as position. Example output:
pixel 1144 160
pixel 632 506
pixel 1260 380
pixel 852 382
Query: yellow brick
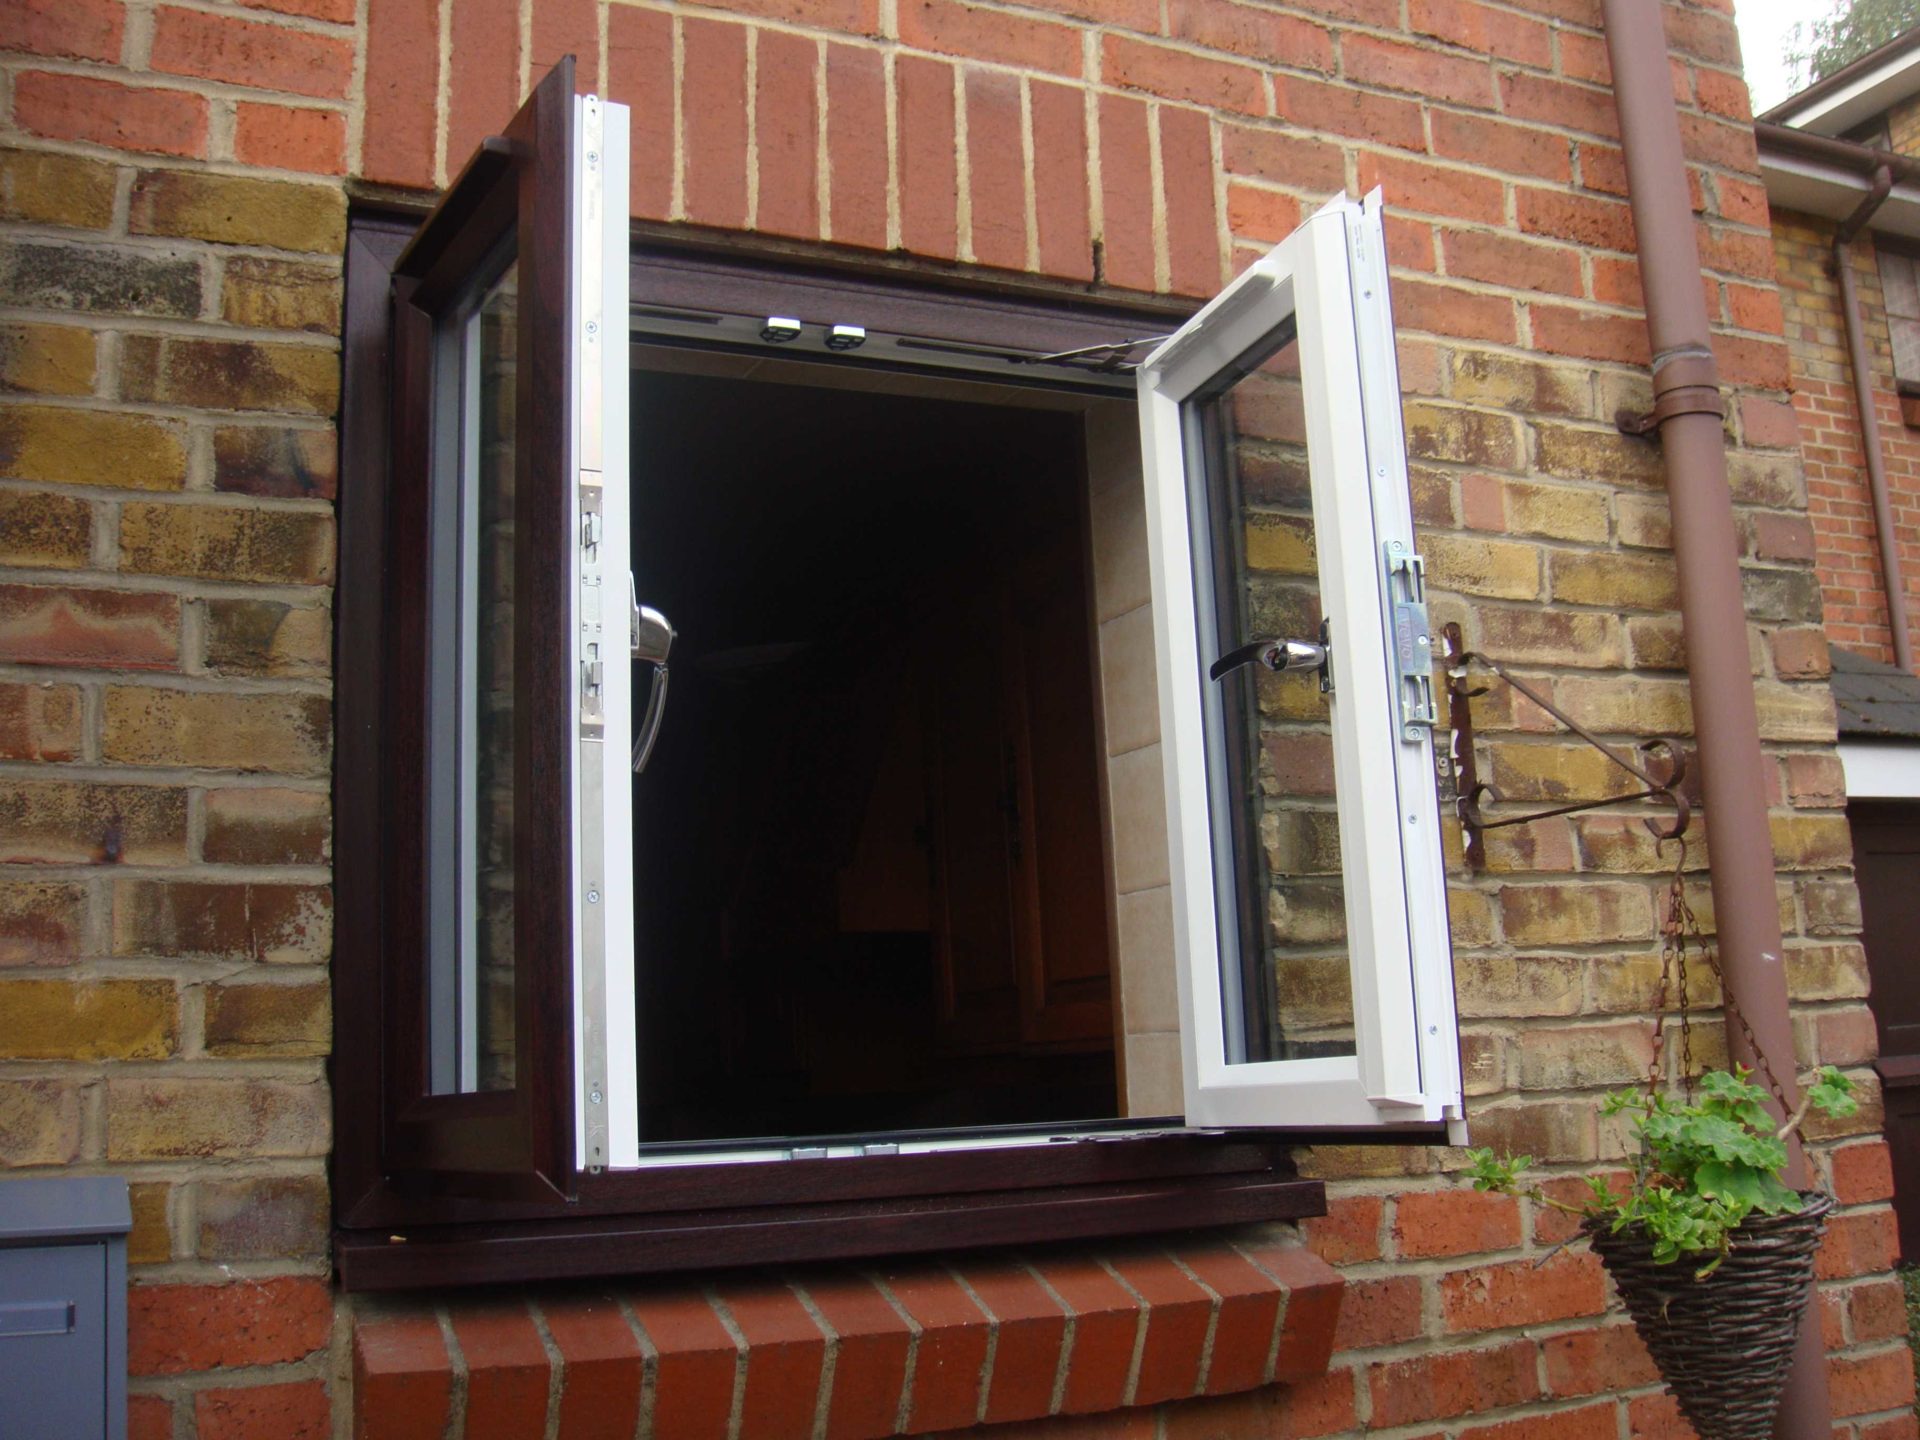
pixel 1795 712
pixel 1462 437
pixel 230 374
pixel 51 189
pixel 46 359
pixel 1619 582
pixel 1582 1056
pixel 1501 569
pixel 288 734
pixel 1280 543
pixel 1628 706
pixel 1556 771
pixel 150 1242
pixel 231 210
pixel 42 922
pixel 91 447
pixel 1549 637
pixel 88 1020
pixel 1645 521
pixel 53 531
pixel 1575 913
pixel 1578 454
pixel 227 542
pixel 1827 972
pixel 1559 512
pixel 56 823
pixel 268 1020
pixel 1504 382
pixel 1517 985
pixel 266 294
pixel 185 1118
pixel 1811 842
pixel 39 1122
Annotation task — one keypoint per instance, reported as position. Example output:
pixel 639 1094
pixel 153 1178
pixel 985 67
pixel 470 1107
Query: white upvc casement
pixel 606 1102
pixel 1325 289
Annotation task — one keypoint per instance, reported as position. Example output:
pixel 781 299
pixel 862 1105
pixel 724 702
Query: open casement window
pixel 509 440
pixel 1297 706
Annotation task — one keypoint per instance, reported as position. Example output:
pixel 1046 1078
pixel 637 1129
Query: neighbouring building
pixel 323 924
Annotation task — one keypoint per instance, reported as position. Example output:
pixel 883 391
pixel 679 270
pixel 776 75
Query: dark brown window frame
pixel 409 1212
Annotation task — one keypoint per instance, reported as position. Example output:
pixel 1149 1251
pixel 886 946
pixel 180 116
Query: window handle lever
pixel 652 637
pixel 1274 654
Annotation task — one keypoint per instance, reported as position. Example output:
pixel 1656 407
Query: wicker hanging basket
pixel 1723 1342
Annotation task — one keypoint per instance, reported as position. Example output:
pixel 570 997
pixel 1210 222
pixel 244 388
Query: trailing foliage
pixel 1817 48
pixel 1702 1167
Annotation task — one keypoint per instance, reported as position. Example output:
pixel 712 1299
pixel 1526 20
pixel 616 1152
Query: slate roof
pixel 1874 699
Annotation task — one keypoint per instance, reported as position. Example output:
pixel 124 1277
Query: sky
pixel 1763 36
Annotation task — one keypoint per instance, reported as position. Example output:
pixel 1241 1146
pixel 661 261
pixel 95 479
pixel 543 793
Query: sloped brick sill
pixel 853 1354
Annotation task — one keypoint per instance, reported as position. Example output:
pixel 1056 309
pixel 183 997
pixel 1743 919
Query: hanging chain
pixel 1680 931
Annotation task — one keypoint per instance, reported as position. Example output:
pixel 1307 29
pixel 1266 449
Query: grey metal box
pixel 63 1308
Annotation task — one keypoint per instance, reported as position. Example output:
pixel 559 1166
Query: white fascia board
pixel 1881 769
pixel 1879 89
pixel 1812 188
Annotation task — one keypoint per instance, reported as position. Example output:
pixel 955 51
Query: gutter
pixel 1688 415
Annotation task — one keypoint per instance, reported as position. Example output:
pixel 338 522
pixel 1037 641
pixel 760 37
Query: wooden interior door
pixel 1886 858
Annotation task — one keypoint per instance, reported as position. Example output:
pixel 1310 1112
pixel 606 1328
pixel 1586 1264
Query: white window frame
pixel 1328 280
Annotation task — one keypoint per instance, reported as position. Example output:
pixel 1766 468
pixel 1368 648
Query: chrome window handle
pixel 652 637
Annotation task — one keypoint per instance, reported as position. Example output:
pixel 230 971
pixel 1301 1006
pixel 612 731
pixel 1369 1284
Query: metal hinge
pixel 1412 638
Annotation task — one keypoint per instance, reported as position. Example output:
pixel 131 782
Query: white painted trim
pixel 1881 769
pixel 1861 99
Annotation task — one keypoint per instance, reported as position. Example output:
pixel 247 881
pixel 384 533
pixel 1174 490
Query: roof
pixel 1855 93
pixel 1875 700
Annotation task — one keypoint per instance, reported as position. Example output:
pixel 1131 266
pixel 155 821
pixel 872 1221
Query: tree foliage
pixel 1817 48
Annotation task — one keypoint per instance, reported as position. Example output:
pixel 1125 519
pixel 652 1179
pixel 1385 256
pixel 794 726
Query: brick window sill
pixel 853 1354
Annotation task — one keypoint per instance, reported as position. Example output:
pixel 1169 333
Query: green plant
pixel 1703 1164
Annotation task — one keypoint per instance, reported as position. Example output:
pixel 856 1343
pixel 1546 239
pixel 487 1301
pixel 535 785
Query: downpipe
pixel 1688 416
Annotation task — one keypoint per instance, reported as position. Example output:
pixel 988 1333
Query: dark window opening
pixel 870 864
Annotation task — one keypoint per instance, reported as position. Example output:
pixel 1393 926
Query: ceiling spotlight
pixel 846 337
pixel 779 329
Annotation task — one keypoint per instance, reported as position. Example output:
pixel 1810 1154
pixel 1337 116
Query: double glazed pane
pixel 471 859
pixel 1285 985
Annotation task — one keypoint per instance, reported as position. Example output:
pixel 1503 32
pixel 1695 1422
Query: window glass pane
pixel 1285 982
pixel 471 780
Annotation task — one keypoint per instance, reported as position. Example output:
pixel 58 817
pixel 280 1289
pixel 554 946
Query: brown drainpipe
pixel 1688 415
pixel 1891 579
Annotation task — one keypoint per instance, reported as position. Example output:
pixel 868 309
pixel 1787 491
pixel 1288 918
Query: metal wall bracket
pixel 1469 790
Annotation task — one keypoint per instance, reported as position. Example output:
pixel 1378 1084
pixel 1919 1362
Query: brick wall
pixel 1846 537
pixel 173 183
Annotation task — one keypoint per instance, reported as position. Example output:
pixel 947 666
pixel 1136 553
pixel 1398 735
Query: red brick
pixel 484 83
pixel 1106 1325
pixel 402 86
pixel 49 625
pixel 1446 309
pixel 1590 335
pixel 1127 198
pixel 149 1417
pixel 1518 264
pixel 249 52
pixel 1060 179
pixel 849 17
pixel 1588 1362
pixel 1602 224
pixel 715 121
pixel 1290 161
pixel 603 1364
pixel 1521 1292
pixel 1193 228
pixel 1905 1427
pixel 1310 1322
pixel 402 1378
pixel 1862 1173
pixel 1245 1321
pixel 1418 70
pixel 787 134
pixel 1616 281
pixel 1454 1222
pixel 561 28
pixel 929 175
pixel 1410 247
pixel 996 163
pixel 951 27
pixel 1484 31
pixel 1256 214
pixel 1876 1382
pixel 1590 1422
pixel 1783 537
pixel 280 138
pixel 1029 1328
pixel 1349 1231
pixel 694 1366
pixel 1344 110
pixel 297 1411
pixel 1433 189
pixel 1516 149
pixel 1754 307
pixel 1760 363
pixel 640 76
pixel 870 1347
pixel 71 29
pixel 172 1329
pixel 785 1351
pixel 1257 34
pixel 1180 75
pixel 951 1352
pixel 1178 1315
pixel 507 1370
pixel 79 107
pixel 340 12
pixel 1859 1244
pixel 1558 103
pixel 1458 1382
pixel 857 146
pixel 1876 1310
pixel 1655 1417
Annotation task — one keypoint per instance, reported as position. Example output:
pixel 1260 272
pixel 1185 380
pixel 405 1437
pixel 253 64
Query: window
pixel 1900 285
pixel 813 782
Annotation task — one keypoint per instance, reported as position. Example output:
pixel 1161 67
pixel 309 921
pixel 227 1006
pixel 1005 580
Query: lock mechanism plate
pixel 1411 638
